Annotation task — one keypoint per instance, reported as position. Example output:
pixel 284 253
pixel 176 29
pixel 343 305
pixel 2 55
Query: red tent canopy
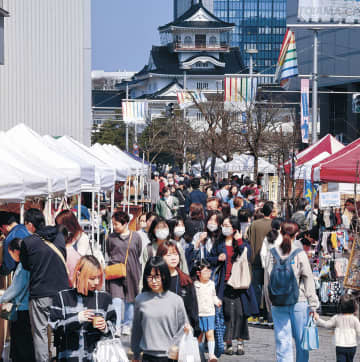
pixel 339 167
pixel 327 144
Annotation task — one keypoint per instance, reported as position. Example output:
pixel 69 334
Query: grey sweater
pixel 158 321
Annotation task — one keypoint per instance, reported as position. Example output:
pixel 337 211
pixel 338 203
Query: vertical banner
pixel 305 85
pixel 134 111
pixel 240 93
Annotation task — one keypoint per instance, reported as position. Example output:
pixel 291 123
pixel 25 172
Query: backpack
pixel 283 286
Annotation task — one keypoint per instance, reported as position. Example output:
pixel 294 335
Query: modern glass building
pixel 260 24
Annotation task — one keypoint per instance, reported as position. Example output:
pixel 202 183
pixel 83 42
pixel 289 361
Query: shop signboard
pixel 326 11
pixel 352 277
pixel 329 199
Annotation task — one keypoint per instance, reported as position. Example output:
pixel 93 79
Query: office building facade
pixel 46 79
pixel 339 55
pixel 259 24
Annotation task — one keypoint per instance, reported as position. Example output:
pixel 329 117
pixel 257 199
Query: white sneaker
pixel 118 332
pixel 126 331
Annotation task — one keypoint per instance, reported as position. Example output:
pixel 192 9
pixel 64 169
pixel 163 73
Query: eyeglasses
pixel 152 278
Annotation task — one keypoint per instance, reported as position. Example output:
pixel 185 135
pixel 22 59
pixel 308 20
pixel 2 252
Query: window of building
pixel 212 41
pixel 188 41
pixel 202 85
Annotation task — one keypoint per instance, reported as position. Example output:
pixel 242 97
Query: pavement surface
pixel 261 347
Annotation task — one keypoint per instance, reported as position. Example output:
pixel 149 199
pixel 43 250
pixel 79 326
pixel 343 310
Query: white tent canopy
pixel 104 173
pixel 87 169
pixel 11 184
pixel 26 142
pixel 56 182
pixel 135 165
pixel 241 164
pixel 121 171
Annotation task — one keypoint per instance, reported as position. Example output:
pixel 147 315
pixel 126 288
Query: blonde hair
pixel 86 266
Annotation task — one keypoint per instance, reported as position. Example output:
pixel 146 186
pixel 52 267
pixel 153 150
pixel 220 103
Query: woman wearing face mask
pixel 168 205
pixel 81 316
pixel 159 232
pixel 159 317
pixel 203 242
pixel 181 284
pixel 238 304
pixel 177 233
pixel 122 243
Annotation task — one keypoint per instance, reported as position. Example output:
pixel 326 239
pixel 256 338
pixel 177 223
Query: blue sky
pixel 123 32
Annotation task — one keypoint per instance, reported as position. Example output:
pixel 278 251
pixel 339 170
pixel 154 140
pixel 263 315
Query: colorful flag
pixel 287 65
pixel 134 111
pixel 240 93
pixel 305 85
pixel 186 98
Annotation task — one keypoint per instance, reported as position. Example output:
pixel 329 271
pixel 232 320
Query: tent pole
pixel 98 218
pixel 112 207
pixel 79 208
pixel 92 216
pixel 22 212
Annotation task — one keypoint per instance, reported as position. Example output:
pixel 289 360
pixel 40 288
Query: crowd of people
pixel 209 259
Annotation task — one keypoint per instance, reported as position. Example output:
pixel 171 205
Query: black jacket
pixel 188 294
pixel 48 274
pixel 195 196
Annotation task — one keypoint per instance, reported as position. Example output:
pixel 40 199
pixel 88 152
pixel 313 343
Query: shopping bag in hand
pixel 310 338
pixel 189 349
pixel 110 350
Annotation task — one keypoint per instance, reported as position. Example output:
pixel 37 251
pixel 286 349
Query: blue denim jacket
pixel 18 292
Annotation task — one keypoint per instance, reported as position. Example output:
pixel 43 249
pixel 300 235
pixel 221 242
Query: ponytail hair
pixel 288 231
pixel 274 232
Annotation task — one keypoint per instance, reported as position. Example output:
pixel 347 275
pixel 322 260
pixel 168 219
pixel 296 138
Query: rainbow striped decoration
pixel 186 98
pixel 287 65
pixel 240 93
pixel 134 111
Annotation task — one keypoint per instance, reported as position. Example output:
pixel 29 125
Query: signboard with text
pixel 329 199
pixel 326 11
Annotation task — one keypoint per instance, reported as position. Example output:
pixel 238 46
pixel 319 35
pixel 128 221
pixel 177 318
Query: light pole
pixel 251 52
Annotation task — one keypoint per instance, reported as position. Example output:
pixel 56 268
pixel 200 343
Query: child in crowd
pixel 207 299
pixel 347 326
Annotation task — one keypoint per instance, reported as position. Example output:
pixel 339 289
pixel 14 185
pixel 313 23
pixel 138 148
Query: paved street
pixel 261 347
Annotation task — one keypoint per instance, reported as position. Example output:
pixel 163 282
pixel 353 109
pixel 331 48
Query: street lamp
pixel 251 52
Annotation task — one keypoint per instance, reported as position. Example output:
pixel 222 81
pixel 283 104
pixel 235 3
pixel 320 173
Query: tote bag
pixel 240 273
pixel 310 338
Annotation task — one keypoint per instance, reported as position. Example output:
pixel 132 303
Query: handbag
pixel 240 277
pixel 118 270
pixel 310 337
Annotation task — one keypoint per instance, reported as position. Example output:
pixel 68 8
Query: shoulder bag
pixel 117 271
pixel 240 273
